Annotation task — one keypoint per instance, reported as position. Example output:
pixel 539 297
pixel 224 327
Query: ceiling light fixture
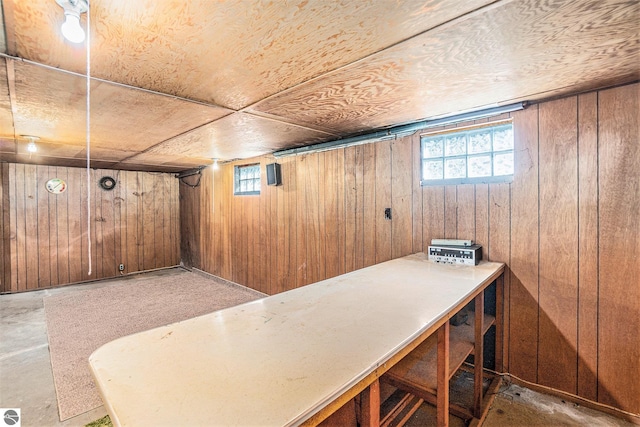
pixel 71 28
pixel 216 166
pixel 31 146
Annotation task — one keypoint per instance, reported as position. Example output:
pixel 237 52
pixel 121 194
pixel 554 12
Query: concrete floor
pixel 26 380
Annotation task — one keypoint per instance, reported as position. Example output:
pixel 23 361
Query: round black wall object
pixel 107 183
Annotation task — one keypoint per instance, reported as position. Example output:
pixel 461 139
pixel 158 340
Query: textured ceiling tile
pixel 513 50
pixel 52 105
pixel 239 135
pixel 231 53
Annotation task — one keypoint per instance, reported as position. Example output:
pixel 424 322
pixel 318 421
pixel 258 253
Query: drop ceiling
pixel 175 84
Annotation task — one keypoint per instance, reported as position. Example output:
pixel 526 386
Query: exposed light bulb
pixel 216 166
pixel 71 28
pixel 31 145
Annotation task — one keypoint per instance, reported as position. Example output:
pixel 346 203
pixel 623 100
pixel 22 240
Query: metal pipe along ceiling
pixel 396 131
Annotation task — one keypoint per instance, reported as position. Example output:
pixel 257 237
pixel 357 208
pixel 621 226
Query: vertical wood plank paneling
pixel 139 217
pixel 235 239
pixel 284 223
pixel 228 211
pixel 247 240
pixel 512 222
pixel 314 259
pixel 5 234
pixel 619 247
pixel 134 232
pixel 433 214
pixel 319 218
pixel 148 223
pixel 43 236
pixel 46 234
pixel 331 215
pixel 175 218
pixel 450 212
pixel 272 224
pixel 481 235
pixel 252 241
pixel 301 221
pixel 243 266
pixel 369 207
pixel 117 222
pixel 498 249
pixel 74 198
pixel 466 200
pixel 340 192
pixel 588 246
pixel 214 234
pixel 84 244
pixel 63 220
pixel 17 226
pixel 558 222
pixel 292 218
pixel 54 229
pixel 383 184
pixel 264 230
pixel 108 221
pixel 401 193
pixel 325 198
pixel 4 205
pixel 416 214
pixel 359 208
pixel 351 210
pixel 31 224
pixel 157 197
pixel 165 180
pixel 523 321
pixel 98 221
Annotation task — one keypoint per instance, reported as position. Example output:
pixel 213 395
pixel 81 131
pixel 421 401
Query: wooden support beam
pixel 443 376
pixel 370 405
pixel 478 355
pixel 500 340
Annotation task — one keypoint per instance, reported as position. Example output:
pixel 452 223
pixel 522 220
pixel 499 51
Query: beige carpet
pixel 79 323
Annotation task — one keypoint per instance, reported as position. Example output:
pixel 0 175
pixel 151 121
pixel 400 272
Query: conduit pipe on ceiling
pixel 401 130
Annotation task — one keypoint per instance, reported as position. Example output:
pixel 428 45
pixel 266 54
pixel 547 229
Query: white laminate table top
pixel 278 360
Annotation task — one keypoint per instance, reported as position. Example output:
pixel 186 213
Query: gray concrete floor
pixel 26 380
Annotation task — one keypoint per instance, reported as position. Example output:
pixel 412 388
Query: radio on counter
pixel 468 254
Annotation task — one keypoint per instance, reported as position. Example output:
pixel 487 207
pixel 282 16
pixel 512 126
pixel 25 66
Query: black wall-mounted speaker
pixel 274 176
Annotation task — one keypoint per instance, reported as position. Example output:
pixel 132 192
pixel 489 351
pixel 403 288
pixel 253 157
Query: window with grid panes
pixel 246 179
pixel 476 154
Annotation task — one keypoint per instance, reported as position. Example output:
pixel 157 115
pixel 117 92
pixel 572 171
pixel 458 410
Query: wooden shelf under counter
pixel 417 371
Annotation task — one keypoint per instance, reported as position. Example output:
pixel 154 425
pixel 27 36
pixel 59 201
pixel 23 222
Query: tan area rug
pixel 80 322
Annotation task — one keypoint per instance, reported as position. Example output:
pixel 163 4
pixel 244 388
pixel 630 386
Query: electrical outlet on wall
pixel 121 267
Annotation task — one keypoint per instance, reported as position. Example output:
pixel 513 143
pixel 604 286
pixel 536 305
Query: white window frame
pixel 497 125
pixel 255 180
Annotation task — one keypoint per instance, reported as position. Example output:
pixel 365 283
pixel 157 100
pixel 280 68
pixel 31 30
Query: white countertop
pixel 278 360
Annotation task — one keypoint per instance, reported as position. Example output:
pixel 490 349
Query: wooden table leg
pixel 478 355
pixel 442 393
pixel 500 343
pixel 370 405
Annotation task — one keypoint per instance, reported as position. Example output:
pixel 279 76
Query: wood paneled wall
pixel 45 235
pixel 567 227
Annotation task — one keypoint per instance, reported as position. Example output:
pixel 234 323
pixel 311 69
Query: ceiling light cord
pixel 88 122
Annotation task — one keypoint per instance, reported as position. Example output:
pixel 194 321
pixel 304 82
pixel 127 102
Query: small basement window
pixel 478 154
pixel 246 179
